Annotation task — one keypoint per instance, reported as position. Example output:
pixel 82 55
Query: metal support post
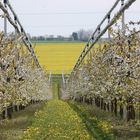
pixel 5 18
pixel 123 18
pixel 109 28
pixel 15 19
pixel 98 32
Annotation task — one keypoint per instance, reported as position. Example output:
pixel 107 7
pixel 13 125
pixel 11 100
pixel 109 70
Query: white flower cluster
pixel 113 72
pixel 21 81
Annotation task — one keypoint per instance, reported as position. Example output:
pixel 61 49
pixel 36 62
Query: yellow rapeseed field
pixel 58 56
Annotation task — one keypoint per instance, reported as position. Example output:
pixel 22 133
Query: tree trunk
pixel 121 109
pixel 115 107
pixel 125 112
pixel 105 106
pixel 3 114
pixel 9 112
pixel 112 106
pixel 108 107
pixel 102 103
pixel 130 109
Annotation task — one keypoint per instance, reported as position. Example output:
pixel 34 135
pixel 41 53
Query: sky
pixel 62 17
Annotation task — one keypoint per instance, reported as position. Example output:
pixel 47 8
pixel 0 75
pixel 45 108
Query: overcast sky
pixel 41 17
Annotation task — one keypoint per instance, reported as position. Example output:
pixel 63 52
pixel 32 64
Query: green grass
pixel 99 129
pixel 121 129
pixel 56 90
pixel 57 121
pixel 13 129
pixel 56 85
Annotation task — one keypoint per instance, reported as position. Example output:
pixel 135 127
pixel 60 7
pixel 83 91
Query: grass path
pixel 57 121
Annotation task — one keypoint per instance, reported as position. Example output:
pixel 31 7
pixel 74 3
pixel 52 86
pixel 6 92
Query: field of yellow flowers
pixel 58 56
pixel 57 121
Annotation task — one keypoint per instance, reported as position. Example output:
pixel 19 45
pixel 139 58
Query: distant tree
pixel 42 38
pixel 51 36
pixel 75 36
pixel 84 35
pixel 59 37
pixel 34 38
